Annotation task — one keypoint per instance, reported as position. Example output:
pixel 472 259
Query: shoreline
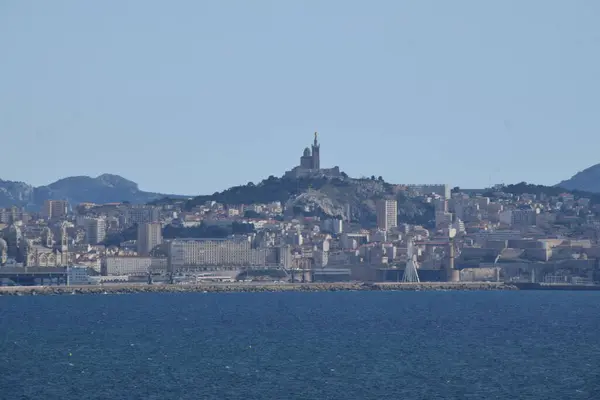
pixel 272 287
pixel 251 288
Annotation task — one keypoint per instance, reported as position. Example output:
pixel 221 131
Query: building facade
pixel 149 235
pixel 95 230
pixel 215 252
pixel 54 209
pixel 127 265
pixel 519 218
pixel 77 275
pixel 387 214
pixel 141 215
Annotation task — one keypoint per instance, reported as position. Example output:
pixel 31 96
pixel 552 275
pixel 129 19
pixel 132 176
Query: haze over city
pixel 193 97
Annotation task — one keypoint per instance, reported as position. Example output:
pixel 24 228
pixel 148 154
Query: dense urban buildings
pixel 332 228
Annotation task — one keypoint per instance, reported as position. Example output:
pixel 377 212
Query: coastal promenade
pixel 248 287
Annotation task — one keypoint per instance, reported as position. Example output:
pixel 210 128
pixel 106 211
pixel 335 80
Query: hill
pixel 105 188
pixel 333 197
pixel 587 180
pixel 538 190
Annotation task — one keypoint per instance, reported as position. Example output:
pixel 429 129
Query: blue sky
pixel 194 96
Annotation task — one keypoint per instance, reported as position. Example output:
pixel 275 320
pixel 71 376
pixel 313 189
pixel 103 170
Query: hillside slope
pixel 587 180
pixel 326 197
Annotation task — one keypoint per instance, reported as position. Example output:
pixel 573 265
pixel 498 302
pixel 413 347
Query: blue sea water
pixel 344 345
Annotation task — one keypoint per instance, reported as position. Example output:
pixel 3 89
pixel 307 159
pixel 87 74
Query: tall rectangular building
pixel 95 230
pixel 149 235
pixel 55 209
pixel 387 214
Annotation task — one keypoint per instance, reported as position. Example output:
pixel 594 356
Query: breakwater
pixel 556 286
pixel 248 287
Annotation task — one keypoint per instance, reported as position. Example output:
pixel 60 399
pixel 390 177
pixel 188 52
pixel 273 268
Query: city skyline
pixel 309 163
pixel 201 97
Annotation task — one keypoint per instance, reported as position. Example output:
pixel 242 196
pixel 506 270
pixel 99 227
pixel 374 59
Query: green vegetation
pixel 253 214
pixel 360 194
pixel 115 239
pixel 413 212
pixel 267 191
pixel 207 231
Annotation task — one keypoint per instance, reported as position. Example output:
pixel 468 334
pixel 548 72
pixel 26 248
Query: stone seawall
pixel 245 287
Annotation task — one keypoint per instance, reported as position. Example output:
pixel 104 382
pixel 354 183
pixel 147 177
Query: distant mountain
pixel 105 188
pixel 327 197
pixel 587 180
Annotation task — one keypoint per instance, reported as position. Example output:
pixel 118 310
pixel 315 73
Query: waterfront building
pixel 132 265
pixel 233 251
pixel 77 275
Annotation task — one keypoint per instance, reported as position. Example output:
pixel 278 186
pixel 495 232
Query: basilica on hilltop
pixel 310 163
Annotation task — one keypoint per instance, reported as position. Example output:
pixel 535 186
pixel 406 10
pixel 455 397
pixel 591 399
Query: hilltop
pixel 329 197
pixel 105 188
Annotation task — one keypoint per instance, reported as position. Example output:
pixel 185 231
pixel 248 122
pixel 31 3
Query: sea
pixel 330 345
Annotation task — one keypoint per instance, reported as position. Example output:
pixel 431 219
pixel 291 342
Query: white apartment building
pixel 132 265
pixel 215 252
pixel 387 214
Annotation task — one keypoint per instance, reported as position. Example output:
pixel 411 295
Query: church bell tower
pixel 316 159
pixel 64 245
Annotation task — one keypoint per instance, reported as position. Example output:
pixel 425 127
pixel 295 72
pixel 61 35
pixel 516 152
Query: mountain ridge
pixel 587 180
pixel 105 188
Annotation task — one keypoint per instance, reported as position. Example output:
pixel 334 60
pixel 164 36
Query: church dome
pixel 307 152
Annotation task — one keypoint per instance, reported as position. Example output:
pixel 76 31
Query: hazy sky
pixel 195 96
